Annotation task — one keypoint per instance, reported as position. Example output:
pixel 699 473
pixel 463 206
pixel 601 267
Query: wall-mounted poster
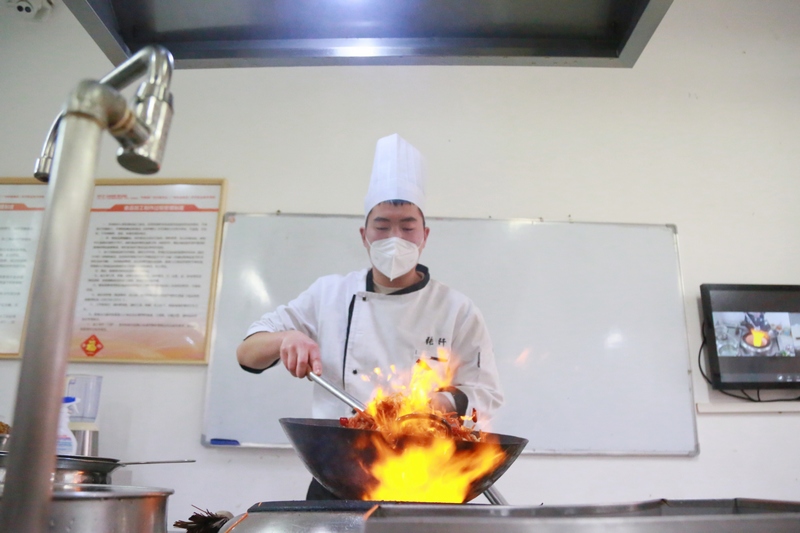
pixel 145 290
pixel 145 293
pixel 21 212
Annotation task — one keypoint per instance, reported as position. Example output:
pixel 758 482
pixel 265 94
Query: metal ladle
pixel 345 397
pixel 492 494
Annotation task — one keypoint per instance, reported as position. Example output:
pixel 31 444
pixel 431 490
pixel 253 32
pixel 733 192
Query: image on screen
pixel 753 333
pixel 757 334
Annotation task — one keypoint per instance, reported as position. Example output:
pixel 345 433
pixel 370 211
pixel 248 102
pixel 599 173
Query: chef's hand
pixel 300 354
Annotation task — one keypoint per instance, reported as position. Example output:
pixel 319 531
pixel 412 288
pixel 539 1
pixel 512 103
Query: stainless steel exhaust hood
pixel 252 33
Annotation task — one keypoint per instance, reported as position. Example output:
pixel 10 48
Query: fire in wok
pixel 341 459
pixel 401 448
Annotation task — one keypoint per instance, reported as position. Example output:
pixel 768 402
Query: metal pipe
pixel 153 61
pixel 91 108
pixel 51 308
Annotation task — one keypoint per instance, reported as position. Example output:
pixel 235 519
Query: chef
pixel 394 313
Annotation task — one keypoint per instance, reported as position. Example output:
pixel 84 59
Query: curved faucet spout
pixel 153 61
pixel 142 151
pixel 44 162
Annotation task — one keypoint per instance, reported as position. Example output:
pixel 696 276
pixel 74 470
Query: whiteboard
pixel 587 322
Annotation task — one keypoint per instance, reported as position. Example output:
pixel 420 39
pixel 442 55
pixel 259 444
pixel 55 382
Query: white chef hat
pixel 397 174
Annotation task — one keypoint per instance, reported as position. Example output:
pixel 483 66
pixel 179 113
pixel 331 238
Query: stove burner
pixel 312 506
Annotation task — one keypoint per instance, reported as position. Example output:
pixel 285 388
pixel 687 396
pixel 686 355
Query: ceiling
pixel 253 33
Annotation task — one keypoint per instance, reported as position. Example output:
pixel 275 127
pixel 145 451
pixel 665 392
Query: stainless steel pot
pixel 93 508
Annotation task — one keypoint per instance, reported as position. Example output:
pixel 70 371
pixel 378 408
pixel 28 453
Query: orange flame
pixel 429 472
pixel 758 337
pixel 416 459
pixel 416 396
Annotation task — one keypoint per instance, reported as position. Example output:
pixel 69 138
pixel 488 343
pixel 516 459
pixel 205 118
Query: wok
pixel 752 349
pixel 339 457
pixel 79 469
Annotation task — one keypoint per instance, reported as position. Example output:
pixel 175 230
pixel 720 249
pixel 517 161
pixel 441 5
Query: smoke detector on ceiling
pixel 30 9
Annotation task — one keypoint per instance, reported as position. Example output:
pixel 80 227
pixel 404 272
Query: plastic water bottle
pixel 67 444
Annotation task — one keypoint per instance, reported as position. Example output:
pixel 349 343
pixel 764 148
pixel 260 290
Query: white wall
pixel 704 132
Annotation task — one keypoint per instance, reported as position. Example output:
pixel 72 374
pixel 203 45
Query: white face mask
pixel 394 256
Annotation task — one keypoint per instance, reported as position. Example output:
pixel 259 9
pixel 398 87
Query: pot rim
pixel 74 491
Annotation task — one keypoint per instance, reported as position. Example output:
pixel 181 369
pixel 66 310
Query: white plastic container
pixel 86 391
pixel 67 444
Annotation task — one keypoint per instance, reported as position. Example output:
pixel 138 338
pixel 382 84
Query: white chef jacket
pixel 359 330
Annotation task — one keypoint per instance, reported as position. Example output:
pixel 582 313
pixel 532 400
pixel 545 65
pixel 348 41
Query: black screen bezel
pixel 791 292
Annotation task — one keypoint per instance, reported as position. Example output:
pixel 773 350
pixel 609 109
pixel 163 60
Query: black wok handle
pixel 336 391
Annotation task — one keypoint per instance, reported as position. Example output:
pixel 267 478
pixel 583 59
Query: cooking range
pixel 342 459
pixel 656 516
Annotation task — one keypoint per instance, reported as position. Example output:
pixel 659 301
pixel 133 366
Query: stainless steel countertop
pixel 655 516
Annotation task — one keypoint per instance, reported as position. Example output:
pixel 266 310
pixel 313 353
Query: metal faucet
pixel 68 162
pixel 152 106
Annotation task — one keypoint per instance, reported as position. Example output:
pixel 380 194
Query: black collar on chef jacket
pixel 422 269
pixel 460 399
pixel 426 277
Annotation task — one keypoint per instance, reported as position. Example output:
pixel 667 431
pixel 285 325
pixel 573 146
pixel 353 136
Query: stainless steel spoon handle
pixel 336 391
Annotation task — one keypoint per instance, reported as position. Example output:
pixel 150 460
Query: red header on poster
pixel 160 208
pixel 18 207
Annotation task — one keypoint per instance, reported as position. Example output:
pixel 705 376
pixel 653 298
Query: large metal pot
pixel 108 508
pixel 339 457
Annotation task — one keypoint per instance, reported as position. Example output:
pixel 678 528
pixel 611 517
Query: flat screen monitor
pixel 753 335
